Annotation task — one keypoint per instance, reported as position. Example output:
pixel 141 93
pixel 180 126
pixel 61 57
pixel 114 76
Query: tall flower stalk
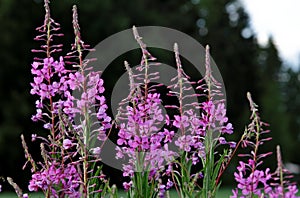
pixel 217 125
pixel 92 125
pixel 69 166
pixel 249 175
pixel 50 85
pixel 252 179
pixel 141 140
pixel 199 134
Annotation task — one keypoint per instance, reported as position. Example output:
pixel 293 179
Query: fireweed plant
pixel 150 159
pixel 69 166
pixel 254 181
pixel 140 138
pixel 199 135
pixel 158 151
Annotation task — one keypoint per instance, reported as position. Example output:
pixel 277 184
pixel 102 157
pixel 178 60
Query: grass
pixel 222 193
pixel 225 192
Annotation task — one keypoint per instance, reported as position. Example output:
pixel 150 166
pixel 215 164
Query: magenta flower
pixel 67 178
pixel 251 183
pixel 140 134
pixel 227 129
pixel 169 184
pixel 67 144
pixel 215 117
pixel 181 121
pixel 127 185
pixel 222 140
pixel 96 151
pixel 128 170
pixel 184 142
pixel 33 137
pixel 44 73
pixel 161 190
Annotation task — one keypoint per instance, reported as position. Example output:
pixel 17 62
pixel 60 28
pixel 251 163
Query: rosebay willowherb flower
pixel 253 180
pixel 147 147
pixel 69 159
pixel 140 138
pixel 199 133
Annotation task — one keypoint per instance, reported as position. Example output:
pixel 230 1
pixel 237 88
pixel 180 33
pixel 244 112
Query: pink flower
pixel 66 178
pixel 222 140
pixel 181 121
pixel 33 137
pixel 67 144
pixel 184 142
pixel 96 151
pixel 127 185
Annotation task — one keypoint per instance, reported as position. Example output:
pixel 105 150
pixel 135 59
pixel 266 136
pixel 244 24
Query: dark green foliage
pixel 291 93
pixel 271 100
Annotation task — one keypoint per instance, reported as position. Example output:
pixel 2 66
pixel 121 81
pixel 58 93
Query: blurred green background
pixel 223 24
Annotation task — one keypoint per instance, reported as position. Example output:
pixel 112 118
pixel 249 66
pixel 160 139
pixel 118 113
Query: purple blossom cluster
pixel 43 75
pixel 90 99
pixel 145 143
pixel 58 180
pixel 57 107
pixel 194 128
pixel 213 112
pixel 253 180
pixel 142 139
pixel 140 136
pixel 214 117
pixel 280 192
pixel 52 80
pixel 249 185
pixel 259 183
pixel 201 127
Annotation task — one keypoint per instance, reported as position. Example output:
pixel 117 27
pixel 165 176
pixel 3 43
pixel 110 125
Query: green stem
pixel 86 130
pixel 209 164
